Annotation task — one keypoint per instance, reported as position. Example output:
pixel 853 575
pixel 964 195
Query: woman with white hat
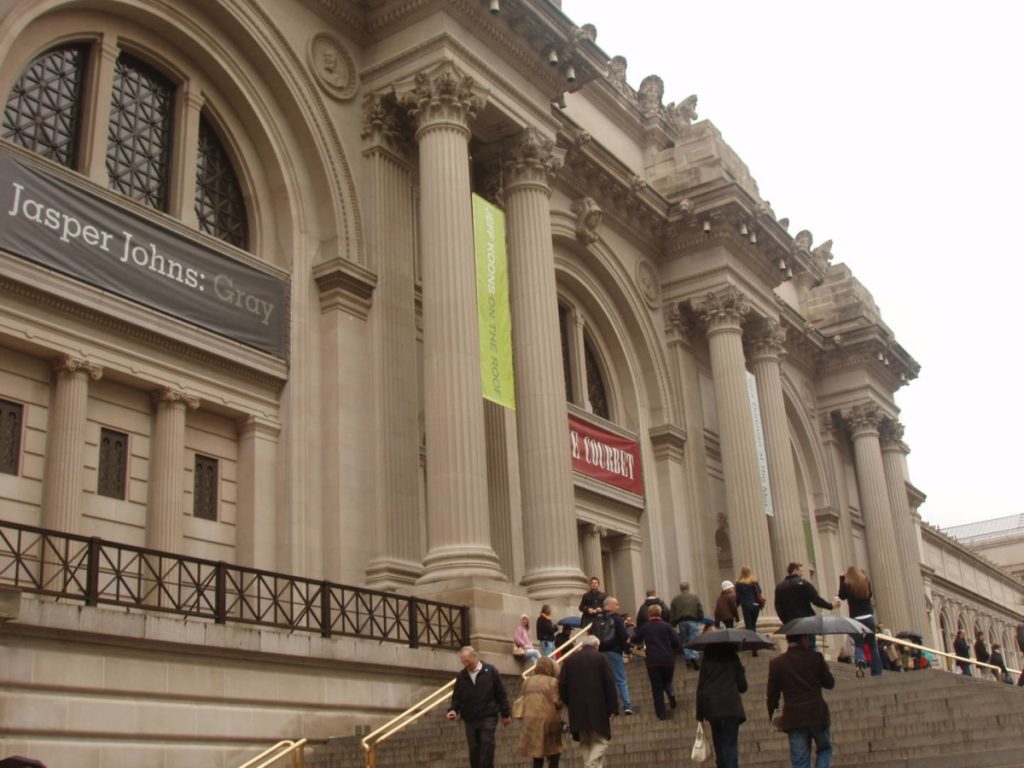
pixel 726 611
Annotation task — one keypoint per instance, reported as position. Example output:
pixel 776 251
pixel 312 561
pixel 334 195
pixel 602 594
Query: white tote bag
pixel 701 749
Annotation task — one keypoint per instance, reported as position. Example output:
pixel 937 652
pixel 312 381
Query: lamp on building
pixel 495 6
pixel 789 273
pixel 706 226
pixel 881 357
pixel 743 229
pixel 570 73
pixel 782 264
pixel 553 57
pixel 753 238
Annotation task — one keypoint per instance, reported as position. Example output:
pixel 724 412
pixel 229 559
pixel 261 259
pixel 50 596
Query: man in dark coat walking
pixel 796 597
pixel 798 676
pixel 722 680
pixel 479 697
pixel 644 612
pixel 587 686
pixel 962 649
pixel 662 645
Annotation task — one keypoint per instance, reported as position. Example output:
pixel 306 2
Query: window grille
pixel 43 107
pixel 10 436
pixel 220 206
pixel 595 384
pixel 204 496
pixel 113 464
pixel 563 328
pixel 139 134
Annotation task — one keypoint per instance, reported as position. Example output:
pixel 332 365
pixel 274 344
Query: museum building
pixel 240 345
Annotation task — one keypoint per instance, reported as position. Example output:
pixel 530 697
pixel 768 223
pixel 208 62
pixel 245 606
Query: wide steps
pixel 925 719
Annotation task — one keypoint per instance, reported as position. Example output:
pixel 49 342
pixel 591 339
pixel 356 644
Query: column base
pixel 390 574
pixel 557 585
pixel 460 562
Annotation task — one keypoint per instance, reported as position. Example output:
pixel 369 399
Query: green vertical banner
pixel 495 320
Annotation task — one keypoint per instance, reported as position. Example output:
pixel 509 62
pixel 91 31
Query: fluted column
pixel 549 514
pixel 831 425
pixel 458 529
pixel 883 555
pixel 894 452
pixel 165 523
pixel 723 314
pixel 593 561
pixel 65 444
pixel 390 217
pixel 788 541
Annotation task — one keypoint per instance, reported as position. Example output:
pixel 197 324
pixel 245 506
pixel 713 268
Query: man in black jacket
pixel 962 649
pixel 795 597
pixel 479 697
pixel 587 686
pixel 592 602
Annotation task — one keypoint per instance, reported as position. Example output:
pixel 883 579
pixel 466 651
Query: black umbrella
pixel 914 637
pixel 570 621
pixel 743 639
pixel 823 624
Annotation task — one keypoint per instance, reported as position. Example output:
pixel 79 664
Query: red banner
pixel 605 456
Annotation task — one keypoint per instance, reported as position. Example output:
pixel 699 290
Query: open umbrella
pixel 570 621
pixel 823 624
pixel 908 634
pixel 743 639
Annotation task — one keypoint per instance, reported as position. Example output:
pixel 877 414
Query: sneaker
pixel 672 701
pixel 628 711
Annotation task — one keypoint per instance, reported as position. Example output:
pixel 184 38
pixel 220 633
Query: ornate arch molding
pixel 605 283
pixel 312 156
pixel 801 426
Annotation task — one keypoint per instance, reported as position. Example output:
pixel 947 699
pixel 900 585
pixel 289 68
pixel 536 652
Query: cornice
pixel 668 441
pixel 870 348
pixel 344 285
pixel 945 541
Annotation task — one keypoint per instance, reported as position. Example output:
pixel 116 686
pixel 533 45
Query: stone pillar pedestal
pixel 748 528
pixel 549 518
pixel 442 102
pixel 165 523
pixel 883 555
pixel 787 526
pixel 65 444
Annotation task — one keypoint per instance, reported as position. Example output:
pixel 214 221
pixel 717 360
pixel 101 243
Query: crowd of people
pixel 590 685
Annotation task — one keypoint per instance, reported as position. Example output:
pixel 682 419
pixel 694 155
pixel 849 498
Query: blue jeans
pixel 547 647
pixel 750 614
pixel 687 631
pixel 725 734
pixel 872 644
pixel 800 747
pixel 619 670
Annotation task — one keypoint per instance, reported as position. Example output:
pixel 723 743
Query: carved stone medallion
pixel 333 66
pixel 647 280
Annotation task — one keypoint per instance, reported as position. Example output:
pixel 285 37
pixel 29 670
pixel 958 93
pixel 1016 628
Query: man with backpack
pixel 610 630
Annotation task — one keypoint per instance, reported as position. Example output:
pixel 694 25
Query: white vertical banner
pixel 762 456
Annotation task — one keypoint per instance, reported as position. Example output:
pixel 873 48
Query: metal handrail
pixel 935 651
pixel 428 703
pixel 572 639
pixel 282 749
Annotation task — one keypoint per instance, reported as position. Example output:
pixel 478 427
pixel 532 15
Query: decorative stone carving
pixel 333 66
pixel 588 219
pixel 803 240
pixel 384 122
pixel 822 255
pixel 69 365
pixel 652 89
pixel 768 340
pixel 168 395
pixel 891 434
pixel 864 417
pixel 647 280
pixel 441 95
pixel 532 157
pixel 617 75
pixel 683 113
pixel 727 307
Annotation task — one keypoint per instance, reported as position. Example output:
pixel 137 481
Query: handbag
pixel 700 751
pixel 519 708
pixel 761 600
pixel 518 650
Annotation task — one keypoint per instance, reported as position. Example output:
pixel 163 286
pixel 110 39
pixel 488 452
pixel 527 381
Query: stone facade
pixel 655 299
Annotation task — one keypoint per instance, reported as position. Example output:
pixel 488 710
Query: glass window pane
pixel 595 384
pixel 113 464
pixel 10 436
pixel 219 202
pixel 43 107
pixel 139 135
pixel 204 496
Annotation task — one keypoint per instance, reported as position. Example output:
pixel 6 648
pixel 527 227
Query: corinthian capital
pixel 891 435
pixel 385 123
pixel 768 340
pixel 67 365
pixel 168 395
pixel 726 308
pixel 863 418
pixel 442 95
pixel 531 158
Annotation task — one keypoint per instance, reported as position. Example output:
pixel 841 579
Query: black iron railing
pixel 97 572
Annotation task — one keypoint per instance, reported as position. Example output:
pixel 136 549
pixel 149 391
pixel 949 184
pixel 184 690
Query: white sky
pixel 893 130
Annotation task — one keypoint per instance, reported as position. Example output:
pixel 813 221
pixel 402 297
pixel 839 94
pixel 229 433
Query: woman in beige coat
pixel 541 735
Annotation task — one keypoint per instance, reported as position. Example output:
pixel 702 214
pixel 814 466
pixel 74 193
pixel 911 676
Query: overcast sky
pixel 892 129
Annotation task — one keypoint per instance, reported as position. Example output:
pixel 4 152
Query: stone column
pixel 593 562
pixel 839 505
pixel 458 529
pixel 549 510
pixel 894 452
pixel 723 314
pixel 390 219
pixel 165 523
pixel 65 444
pixel 883 555
pixel 257 491
pixel 788 541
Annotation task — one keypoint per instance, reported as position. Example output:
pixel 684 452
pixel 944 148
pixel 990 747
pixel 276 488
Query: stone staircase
pixel 926 719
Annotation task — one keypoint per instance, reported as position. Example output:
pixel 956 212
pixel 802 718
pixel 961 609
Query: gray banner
pixel 53 223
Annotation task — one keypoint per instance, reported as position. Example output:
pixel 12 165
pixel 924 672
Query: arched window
pixel 43 108
pixel 43 114
pixel 585 381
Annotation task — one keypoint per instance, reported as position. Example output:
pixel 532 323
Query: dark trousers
pixel 661 684
pixel 725 734
pixel 538 762
pixel 750 614
pixel 480 738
